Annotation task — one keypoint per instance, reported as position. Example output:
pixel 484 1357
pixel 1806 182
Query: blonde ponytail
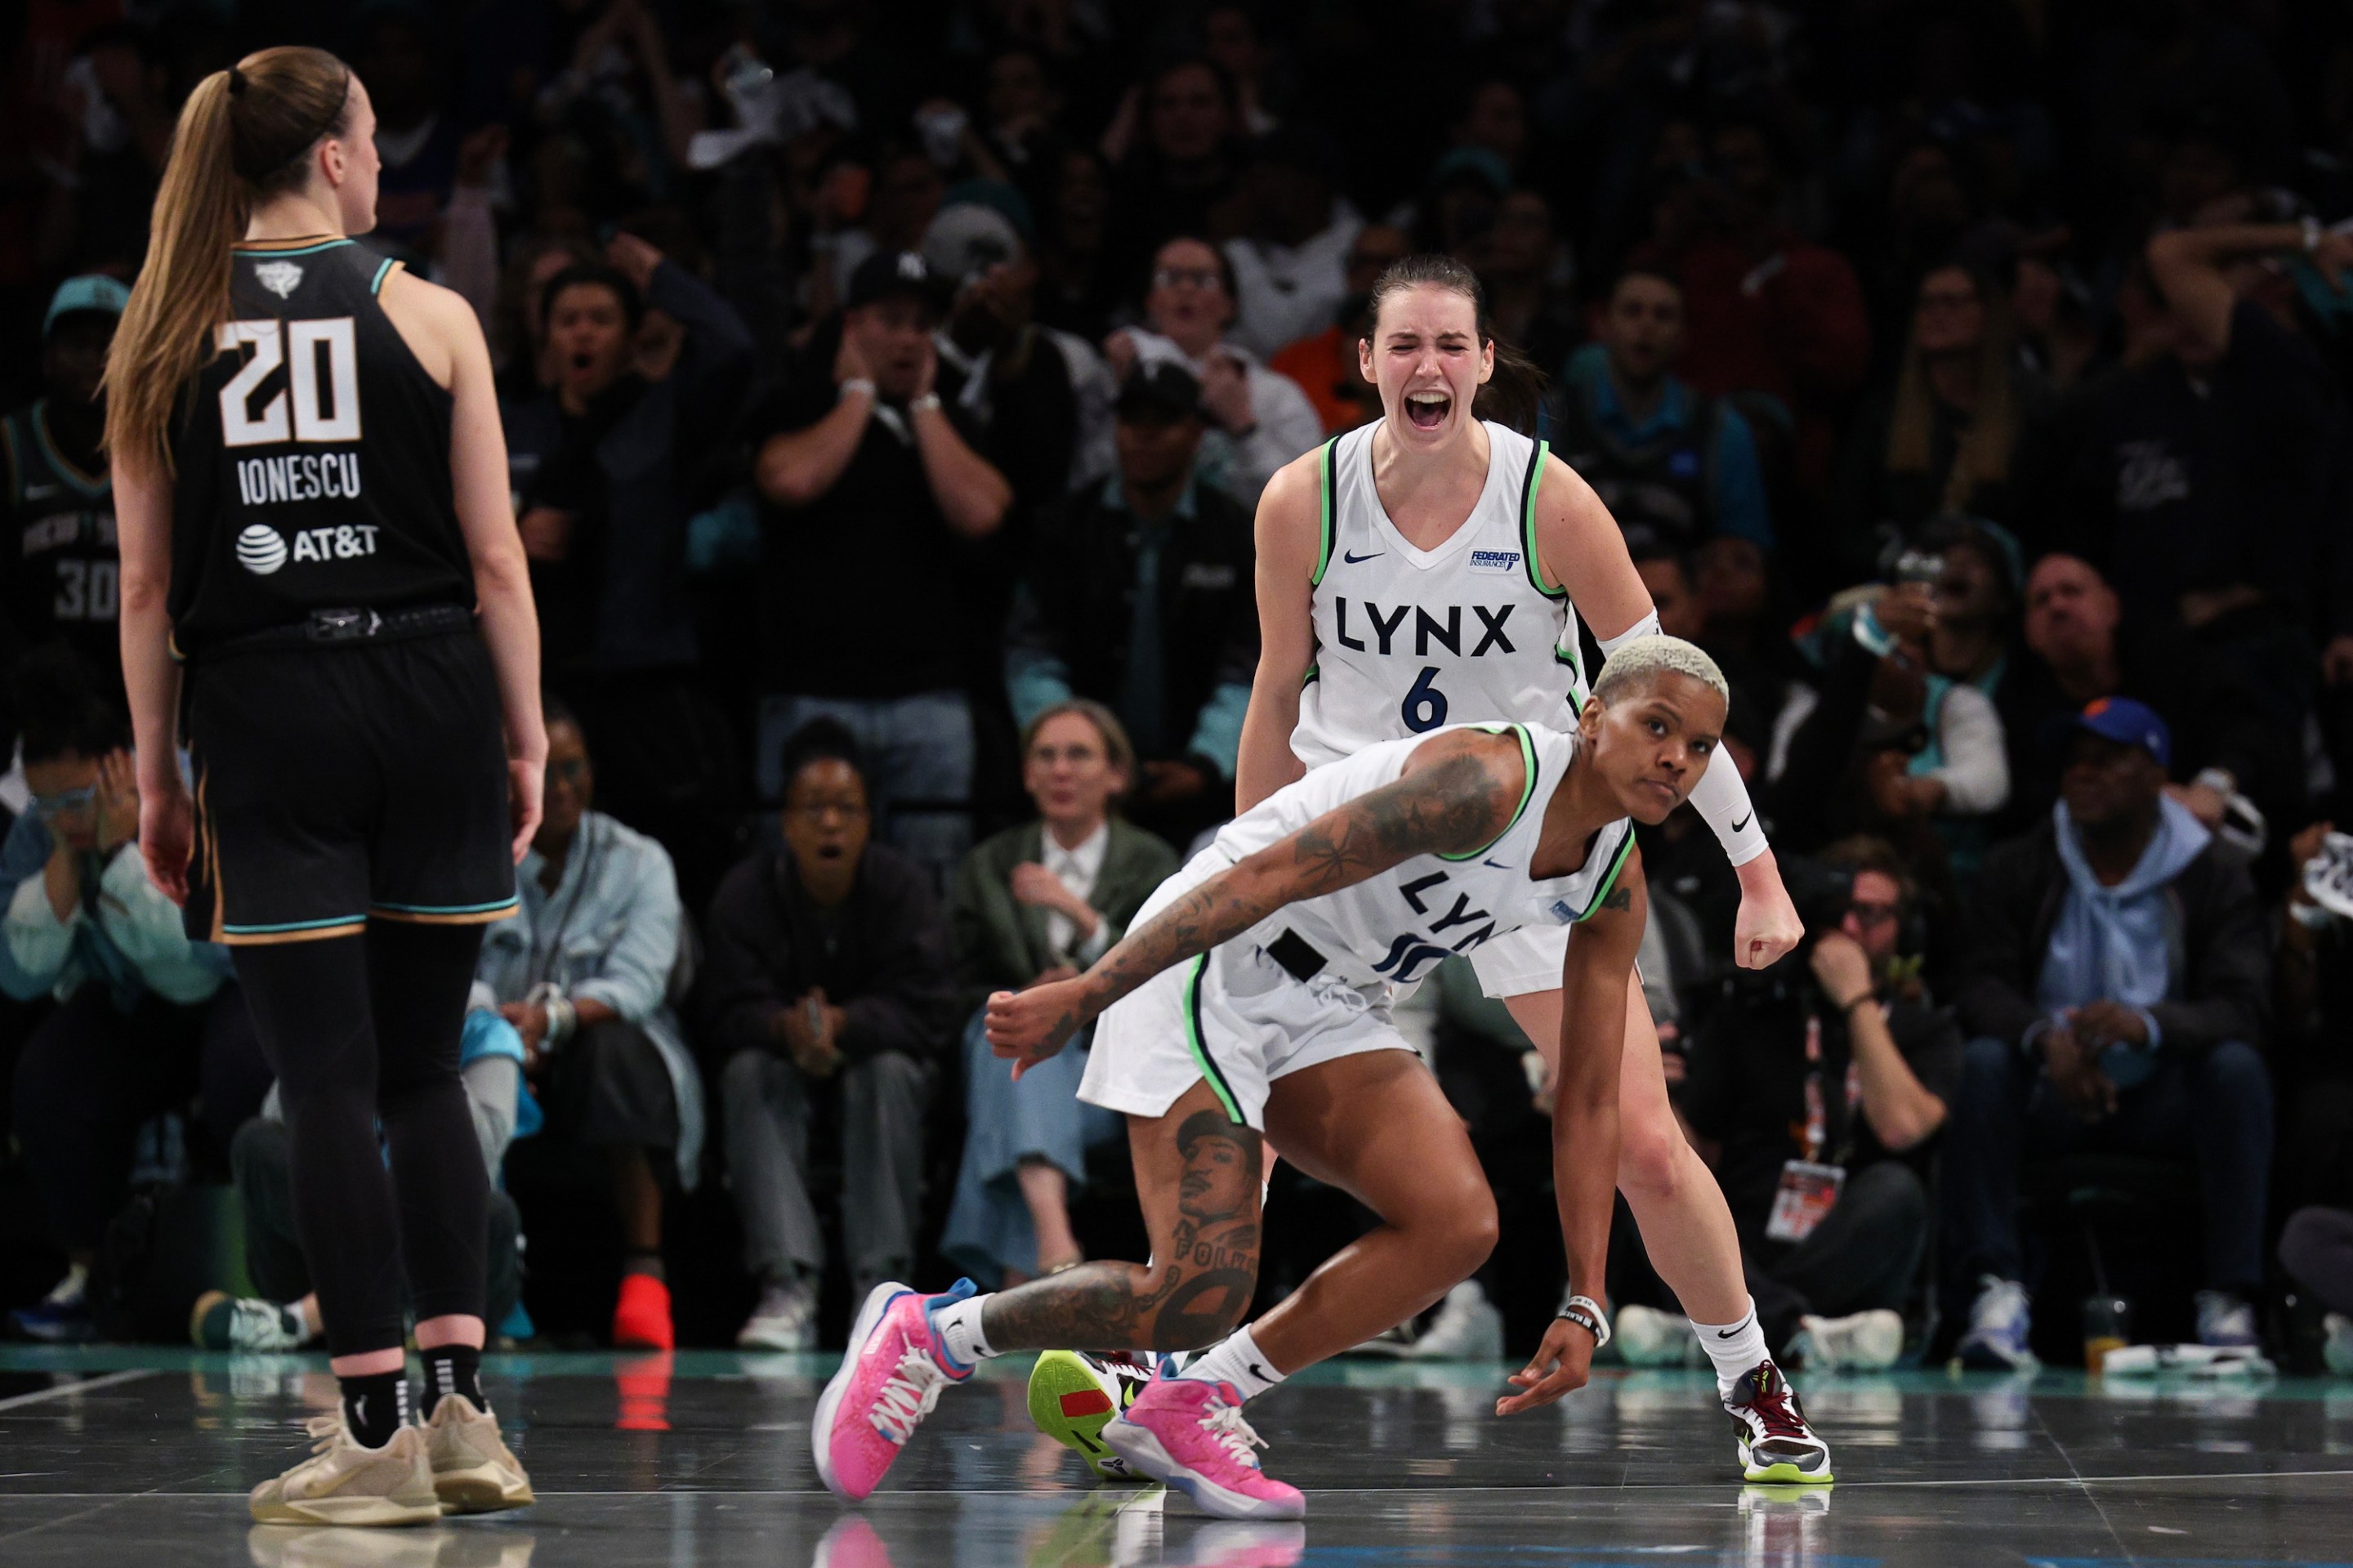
pixel 241 137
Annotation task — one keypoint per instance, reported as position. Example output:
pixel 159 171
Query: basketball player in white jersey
pixel 1250 1000
pixel 1429 568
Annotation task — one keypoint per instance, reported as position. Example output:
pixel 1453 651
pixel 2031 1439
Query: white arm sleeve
pixel 1720 795
pixel 1976 774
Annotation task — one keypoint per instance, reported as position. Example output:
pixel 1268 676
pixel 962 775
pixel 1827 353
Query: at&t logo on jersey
pixel 262 549
pixel 1502 563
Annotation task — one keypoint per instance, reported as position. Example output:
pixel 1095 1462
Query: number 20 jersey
pixel 312 454
pixel 1408 640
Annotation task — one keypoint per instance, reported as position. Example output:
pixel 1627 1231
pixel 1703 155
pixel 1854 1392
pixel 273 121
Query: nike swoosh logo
pixel 1261 1373
pixel 1728 1333
pixel 1742 822
pixel 1353 560
pixel 1498 864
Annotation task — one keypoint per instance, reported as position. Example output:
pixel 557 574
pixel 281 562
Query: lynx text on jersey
pixel 298 476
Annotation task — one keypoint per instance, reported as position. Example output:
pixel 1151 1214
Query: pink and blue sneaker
pixel 890 1378
pixel 1190 1435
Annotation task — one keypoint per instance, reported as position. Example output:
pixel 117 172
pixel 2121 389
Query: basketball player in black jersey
pixel 321 572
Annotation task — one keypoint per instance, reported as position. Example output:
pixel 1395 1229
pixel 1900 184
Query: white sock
pixel 1735 1347
pixel 959 1329
pixel 1237 1360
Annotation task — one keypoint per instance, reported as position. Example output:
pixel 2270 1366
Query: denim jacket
pixel 608 933
pixel 124 934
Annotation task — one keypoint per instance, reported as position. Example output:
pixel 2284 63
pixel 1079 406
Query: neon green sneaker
pixel 1072 1395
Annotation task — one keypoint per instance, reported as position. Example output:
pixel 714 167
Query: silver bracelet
pixel 562 1018
pixel 928 400
pixel 856 384
pixel 1585 1313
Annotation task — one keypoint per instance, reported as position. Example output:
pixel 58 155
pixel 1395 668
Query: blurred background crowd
pixel 888 387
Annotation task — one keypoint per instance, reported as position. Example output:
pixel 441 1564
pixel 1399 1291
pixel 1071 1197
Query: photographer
pixel 1826 1087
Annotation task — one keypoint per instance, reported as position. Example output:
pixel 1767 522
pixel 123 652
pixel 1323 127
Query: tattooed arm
pixel 1584 1123
pixel 1457 793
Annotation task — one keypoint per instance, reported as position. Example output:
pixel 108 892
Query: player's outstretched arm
pixel 1585 1125
pixel 1458 793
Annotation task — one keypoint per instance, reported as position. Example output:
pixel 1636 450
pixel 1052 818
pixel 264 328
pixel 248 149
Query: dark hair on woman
pixel 1513 395
pixel 822 740
pixel 59 708
pixel 594 275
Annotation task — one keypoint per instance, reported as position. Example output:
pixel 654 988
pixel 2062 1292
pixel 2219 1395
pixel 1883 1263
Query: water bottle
pixel 2107 1326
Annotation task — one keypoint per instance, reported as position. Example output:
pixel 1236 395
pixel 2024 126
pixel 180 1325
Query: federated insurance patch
pixel 1502 563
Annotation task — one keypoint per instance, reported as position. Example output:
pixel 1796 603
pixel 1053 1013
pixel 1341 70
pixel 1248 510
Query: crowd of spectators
pixel 888 386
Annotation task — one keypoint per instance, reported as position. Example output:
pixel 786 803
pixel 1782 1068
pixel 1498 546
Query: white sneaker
pixel 2338 1351
pixel 342 1483
pixel 1646 1337
pixel 473 1469
pixel 1467 1328
pixel 1866 1341
pixel 784 1320
pixel 220 1321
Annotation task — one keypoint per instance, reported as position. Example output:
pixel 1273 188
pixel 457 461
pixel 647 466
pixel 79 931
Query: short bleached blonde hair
pixel 1658 654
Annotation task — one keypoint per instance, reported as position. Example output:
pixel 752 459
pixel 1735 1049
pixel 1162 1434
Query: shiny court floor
pixel 131 1460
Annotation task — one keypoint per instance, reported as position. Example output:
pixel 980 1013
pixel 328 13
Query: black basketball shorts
pixel 343 784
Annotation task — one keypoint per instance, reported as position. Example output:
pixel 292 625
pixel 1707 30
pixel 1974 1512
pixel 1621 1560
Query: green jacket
pixel 1001 944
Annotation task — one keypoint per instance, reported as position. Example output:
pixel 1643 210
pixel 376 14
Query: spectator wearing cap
pixel 825 978
pixel 607 469
pixel 1140 596
pixel 1258 419
pixel 2114 989
pixel 57 555
pixel 881 504
pixel 1290 264
pixel 1676 468
pixel 1325 363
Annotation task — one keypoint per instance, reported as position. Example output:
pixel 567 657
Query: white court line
pixel 79 1385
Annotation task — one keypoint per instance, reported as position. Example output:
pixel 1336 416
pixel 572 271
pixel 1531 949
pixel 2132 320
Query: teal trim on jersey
pixel 1527 786
pixel 375 284
pixel 445 909
pixel 305 251
pixel 66 471
pixel 1625 848
pixel 1330 469
pixel 292 925
pixel 1528 487
pixel 1192 1043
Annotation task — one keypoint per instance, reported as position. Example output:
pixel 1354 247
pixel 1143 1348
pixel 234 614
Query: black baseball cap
pixel 891 274
pixel 1160 389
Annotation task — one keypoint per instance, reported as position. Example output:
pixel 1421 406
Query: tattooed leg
pixel 1196 1174
pixel 1377 1126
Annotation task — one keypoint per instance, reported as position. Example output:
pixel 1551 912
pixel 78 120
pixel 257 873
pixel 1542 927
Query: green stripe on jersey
pixel 1528 522
pixel 1192 1043
pixel 1625 848
pixel 1330 469
pixel 1527 786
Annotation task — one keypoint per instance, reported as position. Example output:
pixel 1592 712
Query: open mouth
pixel 1428 410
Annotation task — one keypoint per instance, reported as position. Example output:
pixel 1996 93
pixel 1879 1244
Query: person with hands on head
pixel 825 973
pixel 872 479
pixel 143 1024
pixel 1432 568
pixel 2116 993
pixel 357 659
pixel 1248 1002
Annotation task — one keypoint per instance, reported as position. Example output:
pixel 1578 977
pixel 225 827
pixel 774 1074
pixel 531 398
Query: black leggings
pixel 362 1031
